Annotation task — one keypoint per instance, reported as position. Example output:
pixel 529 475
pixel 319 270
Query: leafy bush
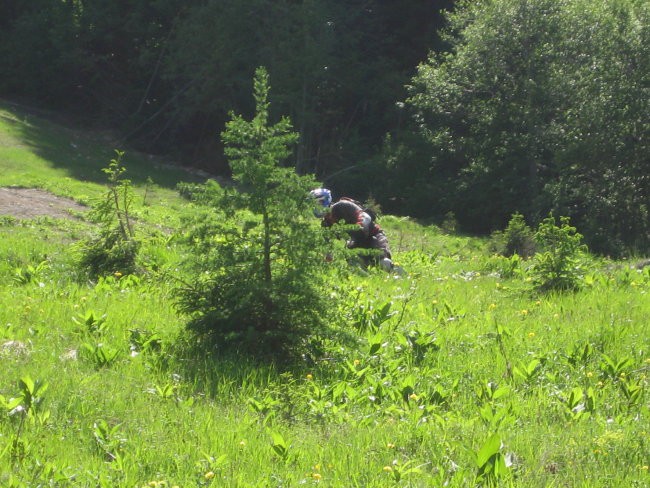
pixel 560 265
pixel 258 260
pixel 505 266
pixel 518 118
pixel 518 238
pixel 115 248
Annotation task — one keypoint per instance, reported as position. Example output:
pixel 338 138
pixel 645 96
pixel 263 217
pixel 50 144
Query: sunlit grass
pixel 441 360
pixel 35 153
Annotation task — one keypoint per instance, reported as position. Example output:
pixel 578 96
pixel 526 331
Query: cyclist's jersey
pixel 349 212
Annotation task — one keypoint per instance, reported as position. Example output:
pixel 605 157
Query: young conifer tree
pixel 261 280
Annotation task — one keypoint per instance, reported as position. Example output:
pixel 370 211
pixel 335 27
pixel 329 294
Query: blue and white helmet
pixel 324 198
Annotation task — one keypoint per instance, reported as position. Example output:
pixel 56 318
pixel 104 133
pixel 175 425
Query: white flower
pixel 17 410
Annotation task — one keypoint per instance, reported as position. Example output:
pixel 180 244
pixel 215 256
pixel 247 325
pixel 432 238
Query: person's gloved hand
pixel 365 223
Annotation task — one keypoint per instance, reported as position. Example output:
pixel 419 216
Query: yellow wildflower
pixel 209 475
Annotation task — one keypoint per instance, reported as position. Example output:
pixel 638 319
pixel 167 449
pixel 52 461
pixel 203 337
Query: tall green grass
pixel 456 374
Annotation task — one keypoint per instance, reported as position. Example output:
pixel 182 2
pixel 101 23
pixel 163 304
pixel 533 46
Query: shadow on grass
pixel 83 152
pixel 223 373
pixel 219 372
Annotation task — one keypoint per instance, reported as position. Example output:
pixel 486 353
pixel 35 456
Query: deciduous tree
pixel 537 107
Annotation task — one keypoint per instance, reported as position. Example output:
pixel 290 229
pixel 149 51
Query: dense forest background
pixel 470 109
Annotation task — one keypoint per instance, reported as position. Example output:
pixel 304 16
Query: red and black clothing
pixel 367 235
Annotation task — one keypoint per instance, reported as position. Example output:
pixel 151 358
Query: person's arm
pixel 365 222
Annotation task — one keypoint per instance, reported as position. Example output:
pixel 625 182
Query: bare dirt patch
pixel 27 203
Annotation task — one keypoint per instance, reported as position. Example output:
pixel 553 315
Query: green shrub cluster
pixel 518 238
pixel 258 258
pixel 553 256
pixel 561 263
pixel 114 248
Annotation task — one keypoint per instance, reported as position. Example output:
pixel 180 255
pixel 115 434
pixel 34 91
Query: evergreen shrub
pixel 258 254
pixel 114 248
pixel 561 263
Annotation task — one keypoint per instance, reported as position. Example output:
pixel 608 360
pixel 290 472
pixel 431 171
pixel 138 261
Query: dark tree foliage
pixel 539 106
pixel 522 106
pixel 37 47
pixel 167 73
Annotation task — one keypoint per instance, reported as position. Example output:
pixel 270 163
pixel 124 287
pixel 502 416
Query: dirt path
pixel 27 203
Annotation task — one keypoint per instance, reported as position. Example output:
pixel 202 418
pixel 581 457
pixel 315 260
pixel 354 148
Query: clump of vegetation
pixel 115 248
pixel 560 265
pixel 258 283
pixel 562 115
pixel 450 223
pixel 518 238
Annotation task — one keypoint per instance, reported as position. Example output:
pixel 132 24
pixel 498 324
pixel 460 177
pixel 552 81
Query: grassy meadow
pixel 456 374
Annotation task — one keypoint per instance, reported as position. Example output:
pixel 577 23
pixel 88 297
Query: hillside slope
pixel 460 373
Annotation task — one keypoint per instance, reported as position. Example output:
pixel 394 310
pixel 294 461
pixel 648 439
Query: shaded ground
pixel 26 203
